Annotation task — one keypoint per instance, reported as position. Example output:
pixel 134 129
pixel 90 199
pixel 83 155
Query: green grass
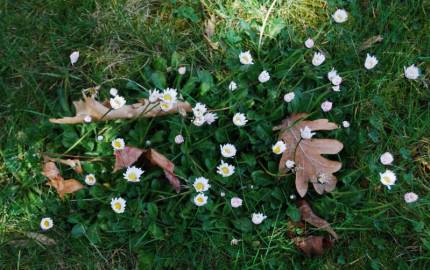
pixel 123 41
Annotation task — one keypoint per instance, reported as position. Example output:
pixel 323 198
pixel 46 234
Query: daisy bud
pixel 182 70
pixel 340 16
pixel 113 92
pixel 326 106
pixel 74 56
pixel 258 218
pixel 264 76
pixel 412 72
pixel 179 139
pixel 370 62
pixel 386 158
pixel 309 43
pixel 411 197
pixel 236 202
pixel 318 59
pixel 289 97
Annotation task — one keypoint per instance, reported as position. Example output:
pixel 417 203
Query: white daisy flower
pixel 200 109
pixel 410 197
pixel 236 202
pixel 345 124
pixel 199 121
pixel 412 72
pixel 258 218
pixel 386 158
pixel 306 133
pixel 154 95
pixel 100 138
pixel 228 150
pixel 239 119
pixel 318 59
pixel 289 97
pixel 264 76
pixel 326 106
pixel 117 102
pixel 336 88
pixel 290 164
pixel 370 62
pixel 331 74
pixel 118 205
pixel 309 43
pixel 232 86
pixel 246 58
pixel 279 147
pixel 133 174
pixel 74 56
pixel 388 178
pixel 88 119
pixel 336 80
pixel 90 179
pixel 182 70
pixel 200 199
pixel 210 117
pixel 169 95
pixel 340 16
pixel 225 169
pixel 201 184
pixel 118 144
pixel 234 242
pixel 113 92
pixel 46 223
pixel 179 139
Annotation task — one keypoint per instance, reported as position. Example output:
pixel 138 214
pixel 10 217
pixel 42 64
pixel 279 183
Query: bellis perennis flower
pixel 346 124
pixel 236 202
pixel 133 174
pixel 318 59
pixel 90 179
pixel 412 72
pixel 306 133
pixel 239 119
pixel 232 86
pixel 340 16
pixel 370 62
pixel 117 102
pixel 210 117
pixel 200 199
pixel 118 144
pixel 258 218
pixel 169 96
pixel 289 97
pixel 74 56
pixel 201 184
pixel 388 178
pixel 154 95
pixel 309 43
pixel 182 70
pixel 225 169
pixel 326 106
pixel 264 76
pixel 113 92
pixel 386 158
pixel 228 150
pixel 246 58
pixel 410 197
pixel 46 223
pixel 279 147
pixel 118 205
pixel 290 164
pixel 179 139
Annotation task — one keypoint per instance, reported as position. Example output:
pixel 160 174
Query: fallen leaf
pixel 75 164
pixel 126 157
pixel 313 245
pixel 310 165
pixel 56 181
pixel 129 155
pixel 309 216
pixel 43 239
pixel 369 42
pixel 210 31
pixel 98 111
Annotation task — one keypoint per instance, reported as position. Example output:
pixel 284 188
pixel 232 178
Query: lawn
pixel 136 46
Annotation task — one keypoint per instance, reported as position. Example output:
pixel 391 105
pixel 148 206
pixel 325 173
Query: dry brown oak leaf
pixel 101 112
pixel 129 155
pixel 56 181
pixel 310 166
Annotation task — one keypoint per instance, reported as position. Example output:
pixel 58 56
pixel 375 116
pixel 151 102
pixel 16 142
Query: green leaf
pixel 244 224
pixel 78 230
pixel 293 212
pixel 187 13
pixel 152 210
pixel 158 79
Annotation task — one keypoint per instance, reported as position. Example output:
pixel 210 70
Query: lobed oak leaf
pixel 309 216
pixel 75 164
pixel 313 245
pixel 56 181
pixel 98 111
pixel 126 157
pixel 306 153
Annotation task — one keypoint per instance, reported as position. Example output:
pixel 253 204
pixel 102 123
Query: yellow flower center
pixel 132 176
pixel 117 144
pixel 277 149
pixel 167 97
pixel 199 199
pixel 46 223
pixel 199 186
pixel 117 206
pixel 386 180
pixel 165 106
pixel 245 58
pixel 225 170
pixel 227 150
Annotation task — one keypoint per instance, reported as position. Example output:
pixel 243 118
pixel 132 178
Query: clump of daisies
pixel 201 185
pixel 335 79
pixel 167 99
pixel 202 116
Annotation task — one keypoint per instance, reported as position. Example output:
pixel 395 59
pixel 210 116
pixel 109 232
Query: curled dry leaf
pixel 370 42
pixel 129 155
pixel 56 181
pixel 98 111
pixel 43 239
pixel 310 165
pixel 309 216
pixel 313 245
pixel 75 164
